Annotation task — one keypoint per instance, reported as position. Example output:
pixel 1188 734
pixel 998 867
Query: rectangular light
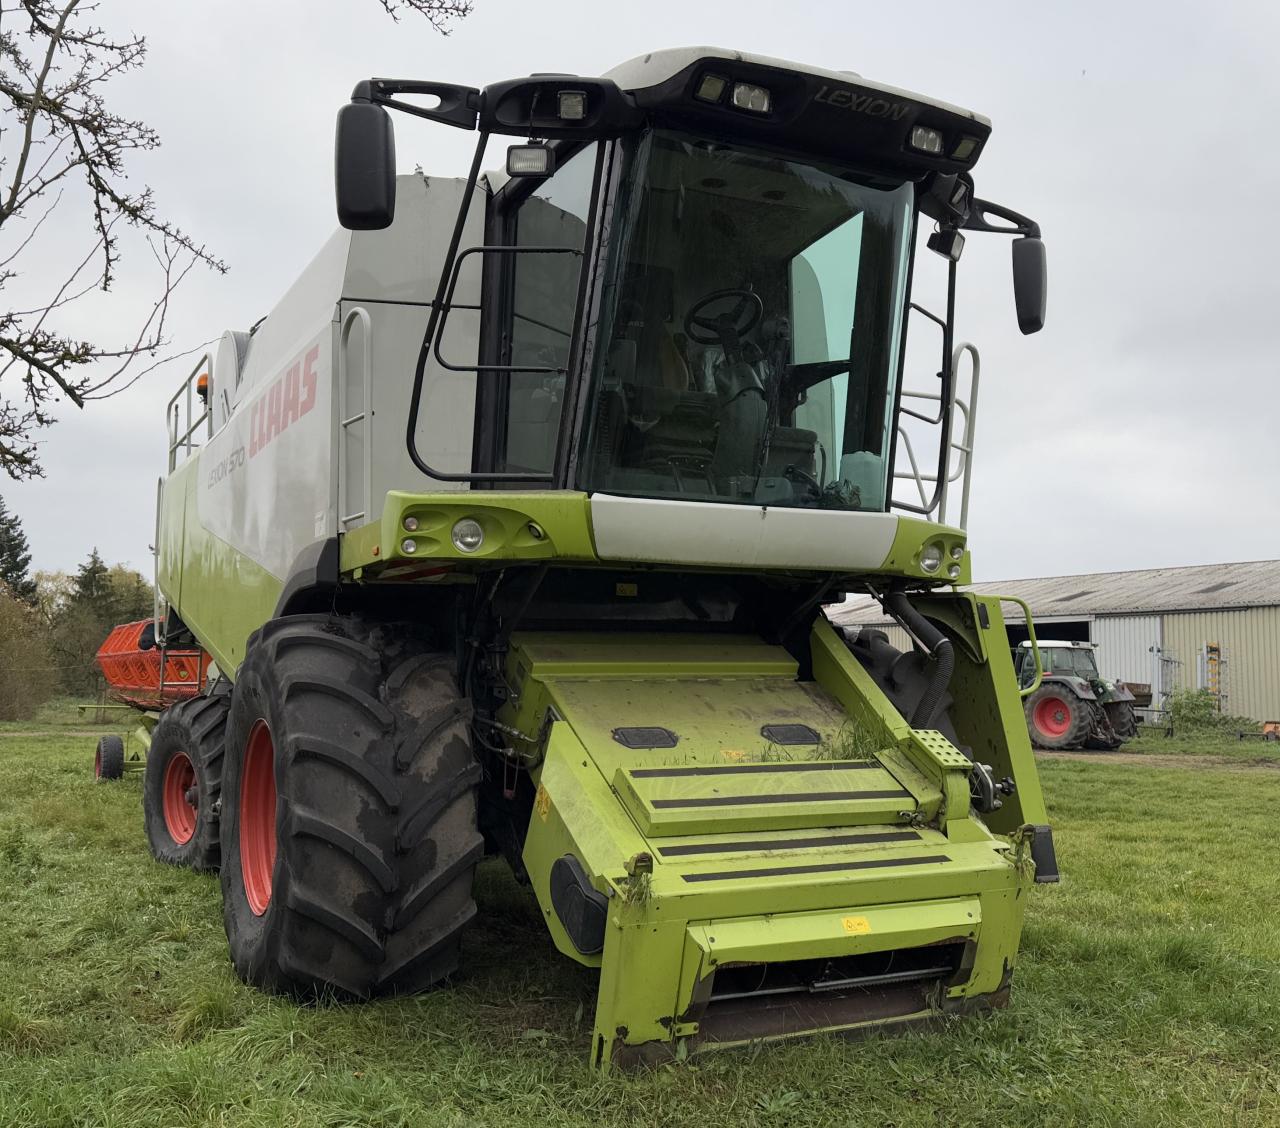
pixel 529 160
pixel 926 140
pixel 753 98
pixel 711 88
pixel 573 105
pixel 964 149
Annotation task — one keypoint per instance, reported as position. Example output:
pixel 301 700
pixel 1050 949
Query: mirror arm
pixel 1014 224
pixel 459 105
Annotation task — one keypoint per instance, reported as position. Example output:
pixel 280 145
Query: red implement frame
pixel 149 679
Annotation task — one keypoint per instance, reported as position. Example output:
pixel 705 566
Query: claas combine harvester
pixel 509 532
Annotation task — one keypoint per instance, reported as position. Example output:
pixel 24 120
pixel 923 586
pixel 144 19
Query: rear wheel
pixel 108 758
pixel 182 784
pixel 350 822
pixel 1057 718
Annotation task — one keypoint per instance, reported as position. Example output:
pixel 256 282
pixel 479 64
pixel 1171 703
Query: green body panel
pixel 530 525
pixel 909 541
pixel 726 848
pixel 987 705
pixel 221 594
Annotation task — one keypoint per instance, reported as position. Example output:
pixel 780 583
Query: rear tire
pixel 108 758
pixel 182 783
pixel 350 823
pixel 1057 719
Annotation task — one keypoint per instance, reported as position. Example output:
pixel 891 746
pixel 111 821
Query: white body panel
pixel 662 531
pixel 331 369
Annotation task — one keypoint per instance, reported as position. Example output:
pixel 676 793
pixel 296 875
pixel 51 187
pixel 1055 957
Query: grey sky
pixel 1139 429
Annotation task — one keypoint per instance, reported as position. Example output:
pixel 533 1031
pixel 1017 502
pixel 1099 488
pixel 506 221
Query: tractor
pixel 1073 706
pixel 509 530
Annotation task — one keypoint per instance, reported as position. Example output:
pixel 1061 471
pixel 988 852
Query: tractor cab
pixel 1057 659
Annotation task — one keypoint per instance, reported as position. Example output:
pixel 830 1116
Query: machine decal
pixel 286 401
pixel 867 104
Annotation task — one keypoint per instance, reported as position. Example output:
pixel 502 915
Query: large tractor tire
pixel 182 784
pixel 350 815
pixel 1057 719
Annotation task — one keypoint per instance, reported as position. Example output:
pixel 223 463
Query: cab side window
pixel 544 295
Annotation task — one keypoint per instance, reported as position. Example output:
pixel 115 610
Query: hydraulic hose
pixel 939 649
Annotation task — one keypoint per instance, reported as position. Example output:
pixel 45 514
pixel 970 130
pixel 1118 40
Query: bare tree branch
pixel 439 13
pixel 54 64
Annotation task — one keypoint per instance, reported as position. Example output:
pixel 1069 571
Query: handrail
pixel 962 470
pixel 1031 636
pixel 365 415
pixel 182 406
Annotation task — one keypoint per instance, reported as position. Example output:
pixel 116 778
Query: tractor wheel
pixel 182 784
pixel 1057 718
pixel 108 758
pixel 350 822
pixel 1124 722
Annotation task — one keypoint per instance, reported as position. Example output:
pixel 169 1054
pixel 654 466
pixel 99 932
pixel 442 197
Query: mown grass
pixel 1202 742
pixel 1148 991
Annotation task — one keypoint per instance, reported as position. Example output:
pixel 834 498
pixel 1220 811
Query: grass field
pixel 1148 990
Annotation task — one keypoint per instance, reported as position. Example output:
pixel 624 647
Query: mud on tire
pixel 182 783
pixel 354 877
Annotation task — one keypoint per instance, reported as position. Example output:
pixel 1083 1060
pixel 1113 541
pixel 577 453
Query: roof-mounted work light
pixel 530 160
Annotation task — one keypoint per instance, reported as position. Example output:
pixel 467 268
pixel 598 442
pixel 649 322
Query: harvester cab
pixel 510 529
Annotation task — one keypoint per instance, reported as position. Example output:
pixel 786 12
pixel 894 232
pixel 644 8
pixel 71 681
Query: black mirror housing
pixel 1030 283
pixel 365 167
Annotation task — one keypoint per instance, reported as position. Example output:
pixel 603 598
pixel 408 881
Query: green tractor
pixel 509 532
pixel 1073 706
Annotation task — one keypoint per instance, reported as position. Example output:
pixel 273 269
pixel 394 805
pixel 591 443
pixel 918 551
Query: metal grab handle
pixel 361 315
pixel 1031 635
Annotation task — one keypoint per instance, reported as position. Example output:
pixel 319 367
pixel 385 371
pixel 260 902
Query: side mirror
pixel 1030 283
pixel 365 167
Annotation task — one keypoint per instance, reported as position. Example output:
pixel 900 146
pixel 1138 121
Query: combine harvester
pixel 509 531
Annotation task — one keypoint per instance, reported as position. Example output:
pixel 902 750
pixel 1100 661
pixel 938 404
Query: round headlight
pixel 957 552
pixel 954 571
pixel 931 557
pixel 408 546
pixel 410 524
pixel 467 535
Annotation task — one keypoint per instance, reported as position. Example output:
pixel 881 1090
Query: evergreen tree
pixel 91 582
pixel 15 557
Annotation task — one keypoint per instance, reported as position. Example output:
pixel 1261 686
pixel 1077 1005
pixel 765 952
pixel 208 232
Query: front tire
pixel 350 817
pixel 1057 719
pixel 182 783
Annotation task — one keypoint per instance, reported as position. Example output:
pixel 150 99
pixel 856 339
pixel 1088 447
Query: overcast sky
pixel 1140 428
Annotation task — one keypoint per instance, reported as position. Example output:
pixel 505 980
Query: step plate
pixel 680 800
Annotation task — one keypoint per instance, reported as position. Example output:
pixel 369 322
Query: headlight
pixel 468 536
pixel 749 97
pixel 954 571
pixel 931 557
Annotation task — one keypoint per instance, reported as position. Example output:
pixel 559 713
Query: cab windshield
pixel 750 323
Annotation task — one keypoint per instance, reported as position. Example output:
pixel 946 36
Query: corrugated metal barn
pixel 1214 626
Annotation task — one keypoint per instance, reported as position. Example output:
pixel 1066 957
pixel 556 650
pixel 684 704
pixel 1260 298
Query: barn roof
pixel 1203 587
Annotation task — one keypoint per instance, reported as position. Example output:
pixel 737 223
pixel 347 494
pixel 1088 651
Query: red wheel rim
pixel 258 818
pixel 97 762
pixel 1052 716
pixel 179 812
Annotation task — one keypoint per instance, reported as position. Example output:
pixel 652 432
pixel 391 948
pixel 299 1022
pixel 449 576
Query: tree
pixel 26 682
pixel 82 609
pixel 91 580
pixel 59 138
pixel 15 557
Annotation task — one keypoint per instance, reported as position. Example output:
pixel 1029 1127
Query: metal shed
pixel 1214 626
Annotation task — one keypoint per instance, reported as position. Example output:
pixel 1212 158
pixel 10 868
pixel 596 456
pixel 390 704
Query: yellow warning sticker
pixel 734 754
pixel 626 590
pixel 542 803
pixel 856 926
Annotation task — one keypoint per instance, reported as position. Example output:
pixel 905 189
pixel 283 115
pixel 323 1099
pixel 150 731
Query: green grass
pixel 1203 742
pixel 1148 990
